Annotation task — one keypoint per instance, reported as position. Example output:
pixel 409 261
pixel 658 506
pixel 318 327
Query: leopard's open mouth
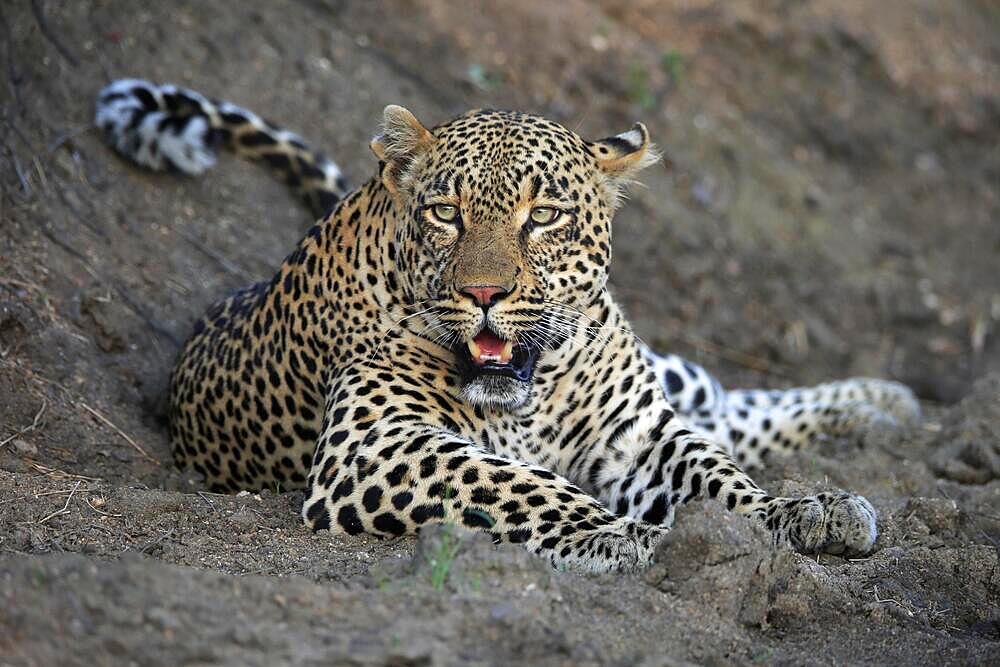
pixel 489 354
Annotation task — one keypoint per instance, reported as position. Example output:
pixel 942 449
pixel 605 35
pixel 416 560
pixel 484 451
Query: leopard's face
pixel 506 237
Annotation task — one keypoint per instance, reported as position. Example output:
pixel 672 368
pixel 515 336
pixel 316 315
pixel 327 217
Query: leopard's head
pixel 504 234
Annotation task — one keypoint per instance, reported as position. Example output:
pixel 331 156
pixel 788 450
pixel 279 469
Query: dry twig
pixel 875 594
pixel 55 472
pixel 30 427
pixel 65 508
pixel 123 434
pixel 146 548
pixel 35 496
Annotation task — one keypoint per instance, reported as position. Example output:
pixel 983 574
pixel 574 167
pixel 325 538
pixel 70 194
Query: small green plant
pixel 384 583
pixel 448 545
pixel 443 557
pixel 672 62
pixel 482 78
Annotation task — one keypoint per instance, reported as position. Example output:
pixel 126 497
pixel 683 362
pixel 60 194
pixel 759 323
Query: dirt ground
pixel 828 207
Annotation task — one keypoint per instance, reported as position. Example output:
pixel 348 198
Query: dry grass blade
pixel 55 472
pixel 30 427
pixel 123 434
pixel 36 496
pixel 65 508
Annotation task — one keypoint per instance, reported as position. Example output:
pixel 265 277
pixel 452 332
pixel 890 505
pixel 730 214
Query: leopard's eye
pixel 445 212
pixel 544 215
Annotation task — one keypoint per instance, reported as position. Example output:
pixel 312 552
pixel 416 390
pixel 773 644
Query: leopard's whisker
pixel 389 329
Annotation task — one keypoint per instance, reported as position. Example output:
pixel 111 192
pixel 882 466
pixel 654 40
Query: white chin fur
pixel 496 392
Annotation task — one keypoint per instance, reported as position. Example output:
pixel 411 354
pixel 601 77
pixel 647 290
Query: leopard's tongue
pixel 487 348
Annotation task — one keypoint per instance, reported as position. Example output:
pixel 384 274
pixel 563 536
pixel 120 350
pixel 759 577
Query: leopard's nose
pixel 484 295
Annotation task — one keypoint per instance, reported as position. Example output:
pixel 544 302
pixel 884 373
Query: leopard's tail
pixel 165 126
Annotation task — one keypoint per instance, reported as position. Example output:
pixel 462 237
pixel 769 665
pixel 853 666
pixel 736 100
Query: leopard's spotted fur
pixel 347 373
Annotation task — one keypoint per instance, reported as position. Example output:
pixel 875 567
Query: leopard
pixel 442 346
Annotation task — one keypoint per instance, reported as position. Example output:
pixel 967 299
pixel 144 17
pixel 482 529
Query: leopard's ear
pixel 621 158
pixel 402 141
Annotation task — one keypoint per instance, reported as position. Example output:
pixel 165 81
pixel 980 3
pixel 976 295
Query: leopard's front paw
pixel 836 523
pixel 626 545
